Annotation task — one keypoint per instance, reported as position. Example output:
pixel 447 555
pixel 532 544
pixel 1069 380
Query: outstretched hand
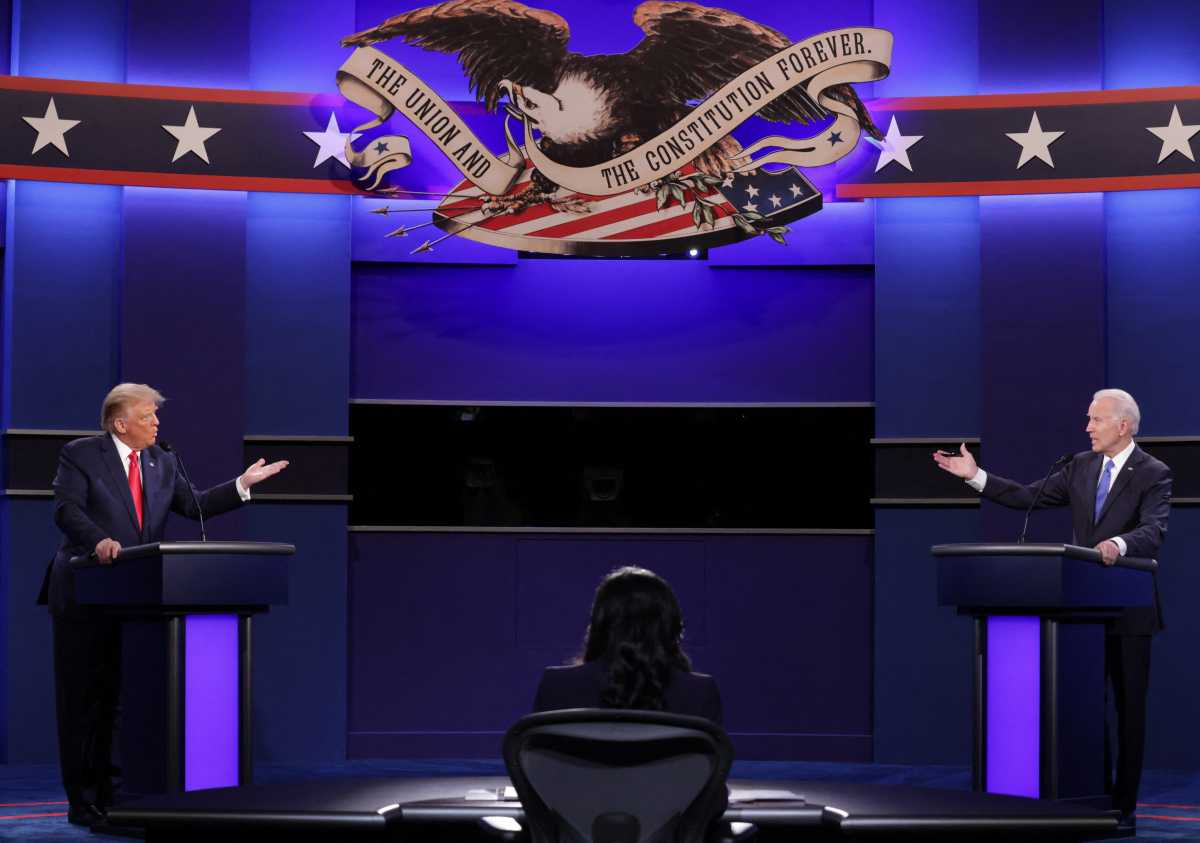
pixel 259 471
pixel 963 465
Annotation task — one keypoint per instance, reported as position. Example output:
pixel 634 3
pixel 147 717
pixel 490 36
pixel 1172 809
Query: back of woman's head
pixel 636 627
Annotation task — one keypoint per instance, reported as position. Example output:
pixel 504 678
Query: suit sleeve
pixel 1015 495
pixel 70 504
pixel 1146 538
pixel 214 501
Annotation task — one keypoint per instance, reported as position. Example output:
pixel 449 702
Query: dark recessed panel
pixel 905 470
pixel 553 466
pixel 316 467
pixel 32 457
pixel 1183 456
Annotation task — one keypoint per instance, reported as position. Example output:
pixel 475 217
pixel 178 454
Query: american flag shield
pixel 628 224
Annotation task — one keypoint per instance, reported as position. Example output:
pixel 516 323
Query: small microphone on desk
pixel 166 446
pixel 1058 463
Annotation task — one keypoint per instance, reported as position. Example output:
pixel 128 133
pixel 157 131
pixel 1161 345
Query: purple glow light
pixel 1014 663
pixel 210 708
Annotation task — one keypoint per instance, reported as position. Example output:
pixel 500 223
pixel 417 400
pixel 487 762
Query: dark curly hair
pixel 635 629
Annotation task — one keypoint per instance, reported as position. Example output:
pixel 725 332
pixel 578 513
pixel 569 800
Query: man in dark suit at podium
pixel 111 490
pixel 1120 498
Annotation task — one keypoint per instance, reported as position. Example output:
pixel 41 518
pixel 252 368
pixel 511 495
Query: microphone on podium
pixel 166 446
pixel 1058 463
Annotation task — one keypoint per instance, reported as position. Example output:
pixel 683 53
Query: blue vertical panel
pixel 1027 46
pixel 923 652
pixel 300 682
pixel 1149 50
pixel 1173 682
pixel 69 39
pixel 297 314
pixel 926 375
pixel 189 42
pixel 1154 304
pixel 1043 338
pixel 294 44
pixel 927 317
pixel 61 302
pixel 936 51
pixel 183 325
pixel 28 539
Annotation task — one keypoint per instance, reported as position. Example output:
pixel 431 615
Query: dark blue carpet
pixel 32 806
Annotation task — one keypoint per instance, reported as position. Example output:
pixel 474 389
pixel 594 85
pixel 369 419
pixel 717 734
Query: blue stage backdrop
pixel 264 315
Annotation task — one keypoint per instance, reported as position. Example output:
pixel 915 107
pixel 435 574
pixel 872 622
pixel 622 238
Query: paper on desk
pixel 491 794
pixel 763 795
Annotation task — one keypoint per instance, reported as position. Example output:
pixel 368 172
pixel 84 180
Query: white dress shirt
pixel 980 480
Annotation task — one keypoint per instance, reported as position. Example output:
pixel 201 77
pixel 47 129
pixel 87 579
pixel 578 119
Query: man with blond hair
pixel 1120 498
pixel 111 490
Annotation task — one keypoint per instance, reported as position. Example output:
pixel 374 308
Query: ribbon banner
pixel 383 86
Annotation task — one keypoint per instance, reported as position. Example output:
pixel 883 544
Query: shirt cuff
pixel 242 491
pixel 1120 543
pixel 978 481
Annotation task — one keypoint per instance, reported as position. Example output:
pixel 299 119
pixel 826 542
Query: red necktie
pixel 135 485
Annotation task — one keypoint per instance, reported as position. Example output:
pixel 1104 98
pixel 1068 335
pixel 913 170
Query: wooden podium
pixel 186 720
pixel 1040 612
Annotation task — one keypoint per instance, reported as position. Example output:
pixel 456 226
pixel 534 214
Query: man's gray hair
pixel 1127 408
pixel 121 396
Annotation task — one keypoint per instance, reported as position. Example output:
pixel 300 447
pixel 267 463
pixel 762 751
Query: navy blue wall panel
pixel 1154 305
pixel 189 42
pixel 923 652
pixel 783 622
pixel 183 324
pixel 71 39
pixel 1171 722
pixel 1043 339
pixel 300 649
pixel 1149 50
pixel 63 303
pixel 1032 46
pixel 297 314
pixel 27 542
pixel 622 331
pixel 927 317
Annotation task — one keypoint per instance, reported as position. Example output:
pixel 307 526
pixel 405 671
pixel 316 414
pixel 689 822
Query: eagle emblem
pixel 631 153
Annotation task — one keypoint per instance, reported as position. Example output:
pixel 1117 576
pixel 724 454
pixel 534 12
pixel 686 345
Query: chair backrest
pixel 596 775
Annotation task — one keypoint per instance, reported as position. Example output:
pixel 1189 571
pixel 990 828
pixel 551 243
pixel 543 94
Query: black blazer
pixel 580 686
pixel 1138 504
pixel 92 502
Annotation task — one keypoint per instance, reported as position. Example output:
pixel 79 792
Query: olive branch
pixel 673 188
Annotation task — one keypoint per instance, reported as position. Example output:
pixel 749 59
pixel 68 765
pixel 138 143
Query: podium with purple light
pixel 186 607
pixel 1039 704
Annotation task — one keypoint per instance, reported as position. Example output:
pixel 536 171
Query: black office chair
pixel 595 775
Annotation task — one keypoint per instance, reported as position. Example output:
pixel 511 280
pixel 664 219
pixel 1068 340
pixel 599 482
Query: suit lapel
pixel 1121 481
pixel 118 479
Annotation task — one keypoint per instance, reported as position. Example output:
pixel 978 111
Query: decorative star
pixel 51 129
pixel 796 190
pixel 751 191
pixel 774 200
pixel 728 181
pixel 381 147
pixel 191 137
pixel 1176 137
pixel 331 143
pixel 1035 143
pixel 894 147
pixel 835 137
pixel 751 207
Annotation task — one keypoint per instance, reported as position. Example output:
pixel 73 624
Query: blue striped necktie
pixel 1102 489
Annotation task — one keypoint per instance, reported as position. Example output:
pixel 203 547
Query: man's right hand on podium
pixel 107 550
pixel 961 465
